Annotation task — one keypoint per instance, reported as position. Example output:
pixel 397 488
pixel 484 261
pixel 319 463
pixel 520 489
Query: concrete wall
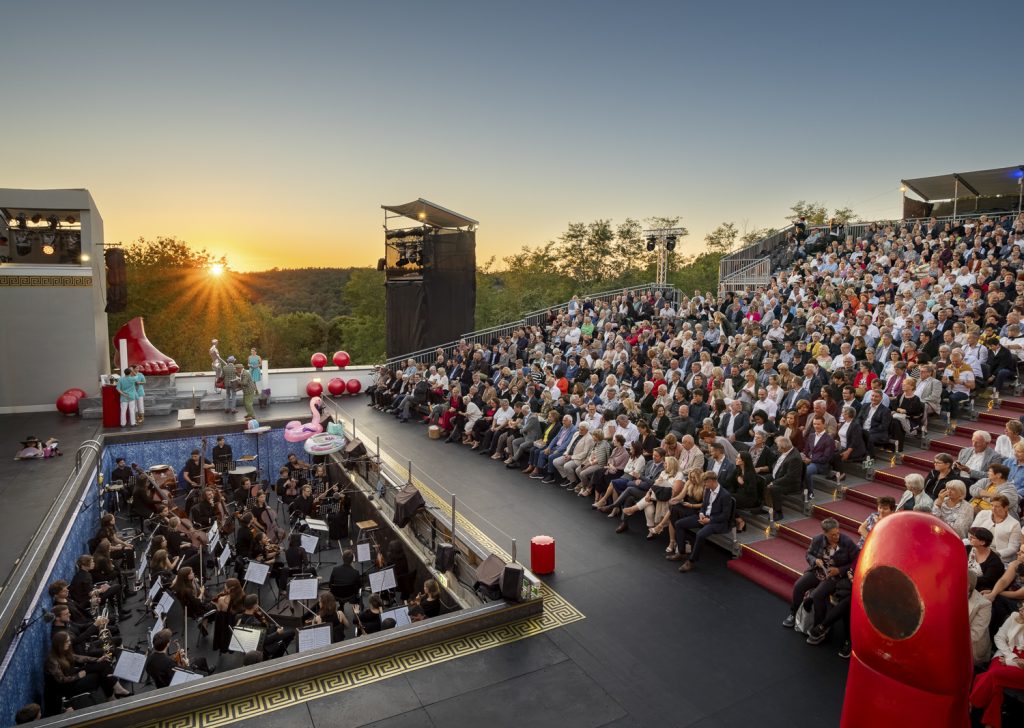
pixel 282 382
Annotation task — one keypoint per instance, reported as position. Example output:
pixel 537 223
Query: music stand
pixel 399 614
pixel 180 677
pixel 256 573
pixel 246 639
pixel 157 626
pixel 130 666
pixel 315 524
pixel 313 638
pixel 303 589
pixel 383 580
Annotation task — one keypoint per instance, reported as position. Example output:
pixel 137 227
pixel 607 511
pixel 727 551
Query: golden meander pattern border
pixel 46 281
pixel 557 612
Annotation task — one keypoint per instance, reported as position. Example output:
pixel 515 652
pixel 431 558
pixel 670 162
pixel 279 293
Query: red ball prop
pixel 353 386
pixel 314 389
pixel 318 360
pixel 77 392
pixel 341 359
pixel 67 404
pixel 336 386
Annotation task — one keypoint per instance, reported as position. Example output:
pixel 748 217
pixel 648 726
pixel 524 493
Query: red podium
pixel 542 554
pixel 111 406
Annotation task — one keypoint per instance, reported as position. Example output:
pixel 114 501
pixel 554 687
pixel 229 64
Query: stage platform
pixel 653 647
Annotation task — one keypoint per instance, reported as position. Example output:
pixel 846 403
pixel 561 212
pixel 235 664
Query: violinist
pixel 328 612
pixel 304 505
pixel 143 504
pixel 297 469
pixel 287 487
pixel 429 600
pixel 161 567
pixel 296 558
pixel 229 604
pixel 245 539
pixel 224 519
pixel 276 639
pixel 189 592
pixel 246 490
pixel 368 620
pixel 159 665
pixel 267 518
pixel 204 512
pixel 193 469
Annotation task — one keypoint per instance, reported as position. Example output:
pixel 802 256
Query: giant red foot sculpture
pixel 141 352
pixel 911 663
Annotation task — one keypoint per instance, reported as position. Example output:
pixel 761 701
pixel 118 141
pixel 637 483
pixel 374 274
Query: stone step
pixel 159 410
pixel 90 413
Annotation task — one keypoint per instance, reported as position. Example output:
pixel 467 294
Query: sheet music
pixel 153 590
pixel 245 639
pixel 309 543
pixel 224 556
pixel 257 572
pixel 303 588
pixel 382 580
pixel 312 638
pixel 164 605
pixel 363 552
pixel 129 666
pixel 159 625
pixel 180 677
pixel 214 538
pixel 316 524
pixel 400 615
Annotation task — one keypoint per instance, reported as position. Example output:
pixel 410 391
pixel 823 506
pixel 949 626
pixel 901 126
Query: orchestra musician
pixel 156 493
pixel 161 567
pixel 193 470
pixel 328 612
pixel 267 517
pixel 189 592
pixel 82 590
pixel 276 639
pixel 159 665
pixel 305 504
pixel 121 472
pixel 222 454
pixel 297 469
pixel 244 537
pixel 287 487
pixel 84 637
pixel 119 548
pixel 246 490
pixel 74 674
pixel 204 512
pixel 295 557
pixel 229 604
pixel 429 600
pixel 368 620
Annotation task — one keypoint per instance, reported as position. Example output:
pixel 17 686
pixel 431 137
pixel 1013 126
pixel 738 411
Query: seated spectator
pixel 958 377
pixel 786 477
pixel 886 507
pixel 979 615
pixel 995 484
pixel 1005 529
pixel 1005 672
pixel 850 444
pixel 972 462
pixel 914 498
pixel 953 509
pixel 1006 442
pixel 829 556
pixel 712 518
pixel 941 474
pixel 875 420
pixel 819 449
pixel 982 560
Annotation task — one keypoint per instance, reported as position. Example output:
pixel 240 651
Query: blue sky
pixel 272 133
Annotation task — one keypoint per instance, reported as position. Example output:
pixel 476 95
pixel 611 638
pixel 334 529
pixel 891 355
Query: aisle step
pixel 868 493
pixel 848 512
pixel 802 531
pixel 780 586
pixel 895 475
pixel 780 556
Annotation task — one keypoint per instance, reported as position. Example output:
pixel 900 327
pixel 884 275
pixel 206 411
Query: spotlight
pixel 670 243
pixel 84 258
pixel 49 250
pixel 651 242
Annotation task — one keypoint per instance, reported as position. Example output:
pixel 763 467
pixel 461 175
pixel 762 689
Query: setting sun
pixel 217 269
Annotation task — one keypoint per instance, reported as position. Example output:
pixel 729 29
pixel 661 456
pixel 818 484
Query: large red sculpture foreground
pixel 150 360
pixel 911 662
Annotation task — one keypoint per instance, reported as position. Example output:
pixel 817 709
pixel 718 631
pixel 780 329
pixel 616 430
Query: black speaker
pixel 117 280
pixel 444 557
pixel 512 582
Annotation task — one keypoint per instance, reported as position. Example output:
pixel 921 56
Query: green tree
pixel 817 213
pixel 752 236
pixel 722 239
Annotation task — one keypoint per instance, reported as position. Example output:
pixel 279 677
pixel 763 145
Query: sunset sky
pixel 271 133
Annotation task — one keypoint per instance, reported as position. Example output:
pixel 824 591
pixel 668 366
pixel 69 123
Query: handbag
pixel 219 383
pixel 662 492
pixel 804 618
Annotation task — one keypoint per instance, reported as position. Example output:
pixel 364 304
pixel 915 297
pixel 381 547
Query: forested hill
pixel 317 290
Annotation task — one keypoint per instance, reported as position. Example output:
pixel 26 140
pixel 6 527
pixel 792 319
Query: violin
pixel 225 522
pixel 159 494
pixel 178 654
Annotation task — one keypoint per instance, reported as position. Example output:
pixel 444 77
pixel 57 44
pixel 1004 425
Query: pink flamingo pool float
pixel 296 431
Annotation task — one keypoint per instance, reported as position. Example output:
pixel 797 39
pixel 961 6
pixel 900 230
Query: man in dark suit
pixel 345 579
pixel 735 425
pixel 819 449
pixel 786 476
pixel 875 420
pixel 713 518
pixel 699 410
pixel 682 424
pixel 1001 365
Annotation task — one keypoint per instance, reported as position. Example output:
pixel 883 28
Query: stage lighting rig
pixel 663 240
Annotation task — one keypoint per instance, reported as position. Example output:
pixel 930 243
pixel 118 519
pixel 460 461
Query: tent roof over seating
pixel 983 183
pixel 424 211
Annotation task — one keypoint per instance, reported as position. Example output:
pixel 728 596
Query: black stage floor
pixel 657 648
